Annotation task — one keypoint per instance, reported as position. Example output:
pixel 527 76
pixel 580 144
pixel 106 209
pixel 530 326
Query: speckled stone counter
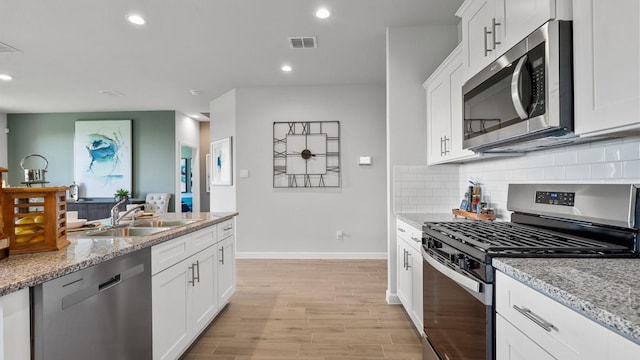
pixel 417 219
pixel 605 290
pixel 21 271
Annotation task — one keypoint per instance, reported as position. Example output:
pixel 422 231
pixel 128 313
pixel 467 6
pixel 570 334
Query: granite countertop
pixel 21 271
pixel 418 219
pixel 605 290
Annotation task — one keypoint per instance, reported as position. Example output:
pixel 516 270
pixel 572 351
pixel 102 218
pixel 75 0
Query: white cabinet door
pixel 520 18
pixel 477 35
pixel 15 326
pixel 416 289
pixel 606 46
pixel 204 297
pixel 512 344
pixel 226 269
pixel 621 348
pixel 403 276
pixel 439 118
pixel 457 73
pixel 171 311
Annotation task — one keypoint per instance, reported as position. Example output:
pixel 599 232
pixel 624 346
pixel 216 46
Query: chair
pixel 157 202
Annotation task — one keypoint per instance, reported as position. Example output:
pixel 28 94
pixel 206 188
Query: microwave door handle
pixel 516 80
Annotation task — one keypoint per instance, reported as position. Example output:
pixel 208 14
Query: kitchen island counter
pixel 604 290
pixel 21 271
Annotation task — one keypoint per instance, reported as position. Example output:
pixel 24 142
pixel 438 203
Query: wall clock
pixel 306 154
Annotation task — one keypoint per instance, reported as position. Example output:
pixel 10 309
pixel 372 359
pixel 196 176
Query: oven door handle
pixel 481 291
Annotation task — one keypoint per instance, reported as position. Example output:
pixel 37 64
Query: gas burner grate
pixel 512 238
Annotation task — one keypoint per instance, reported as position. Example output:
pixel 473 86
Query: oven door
pixel 458 311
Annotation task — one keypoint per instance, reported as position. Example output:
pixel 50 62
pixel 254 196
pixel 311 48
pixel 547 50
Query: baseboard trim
pixel 310 255
pixel 392 298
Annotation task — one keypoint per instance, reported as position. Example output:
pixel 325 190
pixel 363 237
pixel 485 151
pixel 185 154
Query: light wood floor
pixel 309 310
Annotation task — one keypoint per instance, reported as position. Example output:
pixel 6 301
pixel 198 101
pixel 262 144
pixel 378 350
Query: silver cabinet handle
pixel 446 140
pixel 416 239
pixel 193 275
pixel 197 265
pixel 516 79
pixel 228 228
pixel 408 262
pixel 486 47
pixel 493 30
pixel 404 256
pixel 401 230
pixel 535 318
pixel 222 255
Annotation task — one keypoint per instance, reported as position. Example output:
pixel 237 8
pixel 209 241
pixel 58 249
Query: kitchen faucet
pixel 115 212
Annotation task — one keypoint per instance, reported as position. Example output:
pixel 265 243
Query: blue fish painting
pixel 102 161
pixel 102 148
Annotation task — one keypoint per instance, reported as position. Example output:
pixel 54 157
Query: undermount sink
pixel 163 223
pixel 128 231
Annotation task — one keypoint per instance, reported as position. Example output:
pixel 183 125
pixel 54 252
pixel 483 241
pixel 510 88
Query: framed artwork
pixel 306 154
pixel 208 172
pixel 221 162
pixel 102 156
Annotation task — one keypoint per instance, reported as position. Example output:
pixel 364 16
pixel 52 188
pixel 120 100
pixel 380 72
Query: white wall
pixel 4 161
pixel 223 124
pixel 187 134
pixel 412 55
pixel 302 222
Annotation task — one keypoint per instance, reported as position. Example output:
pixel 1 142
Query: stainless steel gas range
pixel 548 220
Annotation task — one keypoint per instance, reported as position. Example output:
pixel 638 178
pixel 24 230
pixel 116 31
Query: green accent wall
pixel 51 135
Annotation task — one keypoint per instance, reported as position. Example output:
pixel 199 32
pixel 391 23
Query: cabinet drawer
pixel 410 234
pixel 225 229
pixel 556 328
pixel 202 239
pixel 169 253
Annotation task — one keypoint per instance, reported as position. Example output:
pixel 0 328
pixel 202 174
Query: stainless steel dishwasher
pixel 101 312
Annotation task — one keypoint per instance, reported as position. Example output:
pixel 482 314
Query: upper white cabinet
pixel 491 27
pixel 606 46
pixel 444 111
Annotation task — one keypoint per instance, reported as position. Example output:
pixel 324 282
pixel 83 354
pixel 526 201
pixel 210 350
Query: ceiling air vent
pixel 6 49
pixel 303 42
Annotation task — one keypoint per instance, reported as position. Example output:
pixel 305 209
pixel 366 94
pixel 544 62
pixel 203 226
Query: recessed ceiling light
pixel 286 68
pixel 136 19
pixel 195 116
pixel 195 92
pixel 322 13
pixel 6 77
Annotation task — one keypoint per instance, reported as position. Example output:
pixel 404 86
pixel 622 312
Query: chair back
pixel 157 202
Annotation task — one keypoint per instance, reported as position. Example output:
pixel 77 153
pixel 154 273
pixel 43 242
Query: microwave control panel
pixel 555 198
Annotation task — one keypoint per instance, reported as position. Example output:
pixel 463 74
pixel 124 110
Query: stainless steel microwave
pixel 523 100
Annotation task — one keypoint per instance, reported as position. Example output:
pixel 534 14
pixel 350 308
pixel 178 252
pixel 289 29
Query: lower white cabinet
pixel 531 325
pixel 226 269
pixel 188 293
pixel 15 326
pixel 409 272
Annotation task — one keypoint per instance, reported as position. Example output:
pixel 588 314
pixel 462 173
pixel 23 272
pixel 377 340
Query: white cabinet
pixel 512 344
pixel 226 263
pixel 606 46
pixel 530 325
pixel 409 271
pixel 15 326
pixel 491 27
pixel 444 111
pixel 193 277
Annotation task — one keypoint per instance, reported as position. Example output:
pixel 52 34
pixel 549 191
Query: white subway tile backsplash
pixel 608 170
pixel 631 170
pixel 578 172
pixel 440 188
pixel 623 151
pixel 591 155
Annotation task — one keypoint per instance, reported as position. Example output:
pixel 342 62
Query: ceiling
pixel 71 50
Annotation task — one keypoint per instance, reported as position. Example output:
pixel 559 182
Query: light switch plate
pixel 244 173
pixel 365 160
